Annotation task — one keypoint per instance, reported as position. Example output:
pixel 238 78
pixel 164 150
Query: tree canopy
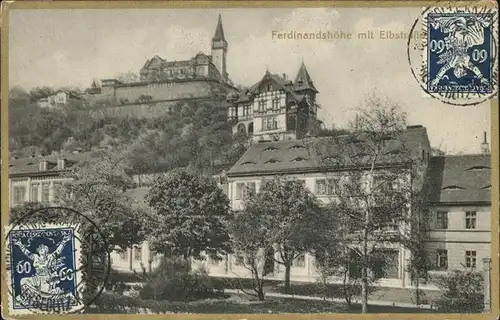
pixel 189 216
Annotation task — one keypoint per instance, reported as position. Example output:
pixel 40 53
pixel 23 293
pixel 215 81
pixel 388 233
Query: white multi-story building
pixel 296 160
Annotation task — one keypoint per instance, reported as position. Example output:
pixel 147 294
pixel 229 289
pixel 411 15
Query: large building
pixel 275 108
pixel 299 159
pixel 42 179
pixel 459 221
pixel 163 82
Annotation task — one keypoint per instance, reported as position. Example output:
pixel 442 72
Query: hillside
pixel 193 134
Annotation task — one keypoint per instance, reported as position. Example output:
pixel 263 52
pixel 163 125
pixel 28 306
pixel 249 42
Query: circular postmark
pixel 58 261
pixel 452 53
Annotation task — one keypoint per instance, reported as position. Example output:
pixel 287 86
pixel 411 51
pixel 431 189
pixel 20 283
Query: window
pixel 470 220
pixel 250 189
pixel 45 193
pixel 269 87
pixel 34 193
pixel 19 193
pixel 442 259
pixel 470 259
pixel 325 186
pixel 213 261
pixel 124 255
pixel 442 220
pixel 246 110
pixel 276 104
pixel 239 190
pixel 300 261
pixel 262 105
pixel 239 259
pixel 269 124
pixel 138 254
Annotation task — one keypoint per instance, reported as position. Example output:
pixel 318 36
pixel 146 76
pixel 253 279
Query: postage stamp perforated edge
pixel 424 67
pixel 8 261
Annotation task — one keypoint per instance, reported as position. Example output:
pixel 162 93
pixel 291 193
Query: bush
pixel 463 292
pixel 174 281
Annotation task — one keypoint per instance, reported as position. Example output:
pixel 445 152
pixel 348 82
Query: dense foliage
pixel 173 280
pixel 462 292
pixel 194 135
pixel 189 216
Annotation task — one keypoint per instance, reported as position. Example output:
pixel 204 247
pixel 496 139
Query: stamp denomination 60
pixel 456 60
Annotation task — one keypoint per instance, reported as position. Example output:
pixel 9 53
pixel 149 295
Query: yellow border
pixel 7 6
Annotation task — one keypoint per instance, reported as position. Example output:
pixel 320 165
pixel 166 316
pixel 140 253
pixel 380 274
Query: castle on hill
pixel 166 82
pixel 275 108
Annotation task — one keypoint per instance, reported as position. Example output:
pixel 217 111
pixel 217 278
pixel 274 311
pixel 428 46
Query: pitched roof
pixel 219 31
pixel 303 80
pixel 312 154
pixel 281 83
pixel 30 165
pixel 460 178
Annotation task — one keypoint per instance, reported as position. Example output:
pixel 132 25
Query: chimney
pixel 284 76
pixel 485 147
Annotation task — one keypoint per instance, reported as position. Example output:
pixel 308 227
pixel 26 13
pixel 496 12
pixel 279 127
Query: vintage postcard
pixel 241 160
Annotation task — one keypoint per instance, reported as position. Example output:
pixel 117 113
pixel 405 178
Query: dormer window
pixel 270 149
pixel 478 168
pixel 301 81
pixel 43 166
pixel 247 163
pixel 296 146
pixel 299 159
pixel 453 187
pixel 61 164
pixel 486 187
pixel 272 161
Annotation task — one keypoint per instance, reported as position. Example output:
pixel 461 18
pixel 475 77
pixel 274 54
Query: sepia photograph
pixel 250 159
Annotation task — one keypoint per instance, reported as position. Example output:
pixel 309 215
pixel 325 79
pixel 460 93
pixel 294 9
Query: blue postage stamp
pixel 460 52
pixel 44 266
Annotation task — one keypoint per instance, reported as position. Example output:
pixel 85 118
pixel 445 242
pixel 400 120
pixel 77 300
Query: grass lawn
pixel 400 295
pixel 241 304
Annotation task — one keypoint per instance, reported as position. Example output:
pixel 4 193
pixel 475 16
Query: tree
pixel 125 77
pixel 190 216
pixel 41 92
pixel 98 188
pixel 377 186
pixel 251 234
pixel 290 208
pixel 462 292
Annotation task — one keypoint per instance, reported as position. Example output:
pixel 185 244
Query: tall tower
pixel 219 49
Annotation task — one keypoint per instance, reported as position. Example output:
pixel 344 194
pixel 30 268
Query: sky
pixel 66 47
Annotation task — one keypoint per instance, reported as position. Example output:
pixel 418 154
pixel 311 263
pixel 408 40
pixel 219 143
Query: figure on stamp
pixel 463 34
pixel 45 279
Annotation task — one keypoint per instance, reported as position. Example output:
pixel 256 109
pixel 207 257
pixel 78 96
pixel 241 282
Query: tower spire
pixel 219 31
pixel 303 80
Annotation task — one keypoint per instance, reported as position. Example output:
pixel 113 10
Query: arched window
pixel 241 128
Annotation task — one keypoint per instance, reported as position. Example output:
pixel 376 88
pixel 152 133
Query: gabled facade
pixel 275 108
